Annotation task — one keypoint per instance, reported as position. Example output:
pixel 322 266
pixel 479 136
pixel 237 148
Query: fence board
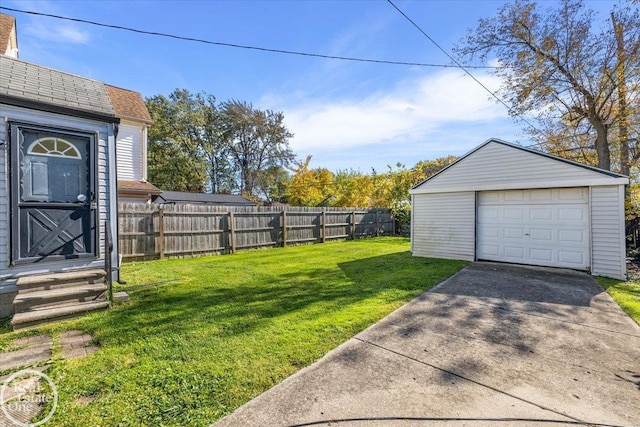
pixel 148 231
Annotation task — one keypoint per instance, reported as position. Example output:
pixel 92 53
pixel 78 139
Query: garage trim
pixel 548 227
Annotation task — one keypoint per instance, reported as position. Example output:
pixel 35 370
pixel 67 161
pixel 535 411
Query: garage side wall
pixel 607 232
pixel 443 225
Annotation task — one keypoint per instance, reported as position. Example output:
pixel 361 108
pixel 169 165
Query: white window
pixel 53 147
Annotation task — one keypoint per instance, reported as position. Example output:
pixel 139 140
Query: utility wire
pixel 239 46
pixel 462 67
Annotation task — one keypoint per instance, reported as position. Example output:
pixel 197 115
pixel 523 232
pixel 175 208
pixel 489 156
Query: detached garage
pixel 503 202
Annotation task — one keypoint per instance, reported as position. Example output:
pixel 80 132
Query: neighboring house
pixel 131 145
pixel 506 203
pixel 8 36
pixel 58 192
pixel 178 197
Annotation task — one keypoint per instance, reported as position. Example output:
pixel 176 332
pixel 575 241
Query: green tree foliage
pixel 196 144
pixel 256 141
pixel 174 162
pixel 578 74
pixel 273 183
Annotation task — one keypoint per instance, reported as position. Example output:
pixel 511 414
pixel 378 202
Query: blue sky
pixel 347 115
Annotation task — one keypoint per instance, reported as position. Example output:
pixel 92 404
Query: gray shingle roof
pixel 214 199
pixel 45 86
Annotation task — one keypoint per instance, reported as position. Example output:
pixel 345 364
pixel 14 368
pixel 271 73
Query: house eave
pixel 57 109
pixel 136 120
pixel 522 185
pixel 601 172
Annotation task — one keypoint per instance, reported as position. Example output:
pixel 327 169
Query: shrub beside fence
pixel 148 231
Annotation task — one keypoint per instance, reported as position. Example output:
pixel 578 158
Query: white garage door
pixel 548 227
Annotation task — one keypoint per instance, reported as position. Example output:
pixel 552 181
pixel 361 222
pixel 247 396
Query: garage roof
pixel 203 198
pixel 499 165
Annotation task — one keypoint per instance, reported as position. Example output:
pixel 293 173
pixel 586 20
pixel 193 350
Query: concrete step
pixel 43 282
pixel 38 317
pixel 37 300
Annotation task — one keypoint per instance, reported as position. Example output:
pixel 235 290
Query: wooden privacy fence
pixel 148 231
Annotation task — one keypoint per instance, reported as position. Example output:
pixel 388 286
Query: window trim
pixel 56 152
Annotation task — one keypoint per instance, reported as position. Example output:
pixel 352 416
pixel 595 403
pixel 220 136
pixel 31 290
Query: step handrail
pixel 108 250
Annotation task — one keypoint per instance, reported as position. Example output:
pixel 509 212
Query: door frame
pixel 14 170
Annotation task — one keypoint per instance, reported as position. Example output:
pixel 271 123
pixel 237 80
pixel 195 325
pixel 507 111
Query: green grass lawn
pixel 626 294
pixel 202 336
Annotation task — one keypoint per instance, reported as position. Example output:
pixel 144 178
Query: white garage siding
pixel 443 225
pixel 607 232
pixel 548 227
pixel 584 233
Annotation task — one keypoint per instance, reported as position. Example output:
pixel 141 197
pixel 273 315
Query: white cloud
pixel 61 33
pixel 407 112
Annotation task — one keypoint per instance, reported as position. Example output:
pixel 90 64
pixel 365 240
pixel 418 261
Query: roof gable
pixel 128 104
pixel 497 164
pixel 8 36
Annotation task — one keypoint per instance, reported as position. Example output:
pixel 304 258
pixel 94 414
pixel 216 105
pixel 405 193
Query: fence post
pixel 284 228
pixel 161 231
pixel 353 225
pixel 232 235
pixel 377 223
pixel 393 223
pixel 324 225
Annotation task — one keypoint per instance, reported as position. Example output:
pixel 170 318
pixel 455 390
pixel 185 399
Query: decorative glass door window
pixel 54 168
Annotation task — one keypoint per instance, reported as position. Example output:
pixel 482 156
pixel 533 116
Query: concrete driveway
pixel 495 344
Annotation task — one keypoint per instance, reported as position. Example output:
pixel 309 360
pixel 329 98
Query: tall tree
pixel 273 183
pixel 309 187
pixel 210 140
pixel 232 145
pixel 564 67
pixel 174 163
pixel 256 140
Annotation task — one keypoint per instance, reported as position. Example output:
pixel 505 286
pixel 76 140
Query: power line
pixel 462 67
pixel 239 46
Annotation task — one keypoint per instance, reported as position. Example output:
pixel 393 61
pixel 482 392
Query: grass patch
pixel 626 294
pixel 203 336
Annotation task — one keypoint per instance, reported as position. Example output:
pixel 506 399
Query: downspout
pixel 411 233
pixel 144 152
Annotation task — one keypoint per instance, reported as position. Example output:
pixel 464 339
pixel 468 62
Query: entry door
pixel 547 227
pixel 53 195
